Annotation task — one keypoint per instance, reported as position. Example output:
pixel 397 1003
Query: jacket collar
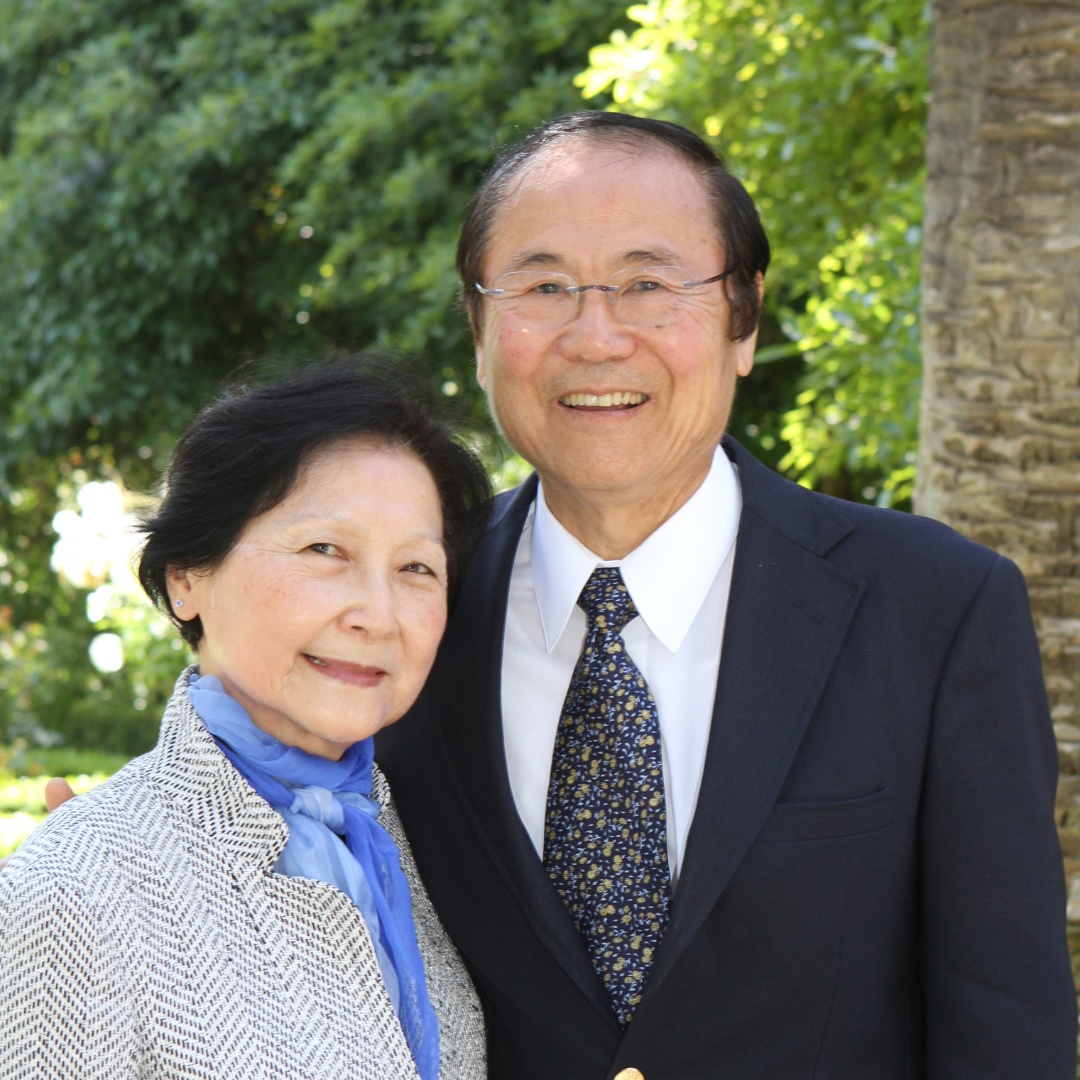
pixel 203 787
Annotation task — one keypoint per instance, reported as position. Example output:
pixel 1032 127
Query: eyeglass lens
pixel 645 297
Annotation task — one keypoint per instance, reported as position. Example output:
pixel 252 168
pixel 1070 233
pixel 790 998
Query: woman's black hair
pixel 735 218
pixel 242 455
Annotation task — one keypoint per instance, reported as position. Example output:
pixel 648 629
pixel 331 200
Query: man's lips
pixel 343 670
pixel 616 399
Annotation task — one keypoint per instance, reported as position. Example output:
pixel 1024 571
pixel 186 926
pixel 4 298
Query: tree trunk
pixel 1000 434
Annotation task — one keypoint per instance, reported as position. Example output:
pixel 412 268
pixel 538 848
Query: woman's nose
pixel 370 606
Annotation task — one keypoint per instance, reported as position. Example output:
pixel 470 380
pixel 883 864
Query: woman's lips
pixel 344 671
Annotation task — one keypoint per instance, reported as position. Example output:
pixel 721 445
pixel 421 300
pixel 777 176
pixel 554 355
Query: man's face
pixel 588 211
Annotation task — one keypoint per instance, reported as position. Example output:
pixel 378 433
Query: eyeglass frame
pixel 576 290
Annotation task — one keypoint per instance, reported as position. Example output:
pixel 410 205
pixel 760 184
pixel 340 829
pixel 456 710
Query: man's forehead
pixel 634 205
pixel 583 156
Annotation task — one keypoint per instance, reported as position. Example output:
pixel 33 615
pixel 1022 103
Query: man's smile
pixel 619 399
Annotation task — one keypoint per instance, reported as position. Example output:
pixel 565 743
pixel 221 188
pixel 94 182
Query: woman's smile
pixel 356 674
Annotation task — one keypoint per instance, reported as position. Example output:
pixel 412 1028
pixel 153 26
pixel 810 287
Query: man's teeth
pixel 315 660
pixel 604 401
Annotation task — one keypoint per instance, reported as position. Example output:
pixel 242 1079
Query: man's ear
pixel 744 354
pixel 744 357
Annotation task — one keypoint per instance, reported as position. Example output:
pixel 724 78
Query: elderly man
pixel 714 776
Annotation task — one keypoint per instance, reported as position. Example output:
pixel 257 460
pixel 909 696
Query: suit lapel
pixel 469 669
pixel 788 612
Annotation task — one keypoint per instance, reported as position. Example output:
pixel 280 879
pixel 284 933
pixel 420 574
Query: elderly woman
pixel 241 901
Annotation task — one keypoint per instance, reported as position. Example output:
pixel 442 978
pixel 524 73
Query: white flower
pixel 95 544
pixel 107 653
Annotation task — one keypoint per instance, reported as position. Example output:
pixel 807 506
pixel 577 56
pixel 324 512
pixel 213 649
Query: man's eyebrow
pixel 529 260
pixel 658 256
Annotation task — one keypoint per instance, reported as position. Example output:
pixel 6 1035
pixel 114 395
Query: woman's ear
pixel 182 596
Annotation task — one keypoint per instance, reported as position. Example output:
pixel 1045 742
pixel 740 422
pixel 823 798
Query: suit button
pixel 629 1074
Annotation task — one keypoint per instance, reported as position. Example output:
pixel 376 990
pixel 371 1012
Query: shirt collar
pixel 668 575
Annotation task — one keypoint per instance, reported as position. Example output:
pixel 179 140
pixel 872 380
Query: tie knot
pixel 605 601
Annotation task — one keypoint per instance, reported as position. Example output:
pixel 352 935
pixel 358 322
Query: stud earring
pixel 179 603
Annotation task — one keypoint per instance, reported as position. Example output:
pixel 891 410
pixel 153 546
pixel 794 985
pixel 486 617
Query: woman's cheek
pixel 430 621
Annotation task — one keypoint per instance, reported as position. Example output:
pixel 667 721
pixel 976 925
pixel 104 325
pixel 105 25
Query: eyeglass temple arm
pixel 709 280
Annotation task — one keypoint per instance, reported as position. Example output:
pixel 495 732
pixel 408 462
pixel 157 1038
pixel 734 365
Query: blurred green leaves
pixel 186 186
pixel 820 108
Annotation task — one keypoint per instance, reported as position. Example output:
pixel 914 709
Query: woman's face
pixel 324 619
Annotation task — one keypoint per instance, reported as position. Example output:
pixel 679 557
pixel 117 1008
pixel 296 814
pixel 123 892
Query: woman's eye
pixel 417 568
pixel 324 549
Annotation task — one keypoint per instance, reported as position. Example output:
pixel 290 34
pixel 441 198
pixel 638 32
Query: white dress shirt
pixel 679 579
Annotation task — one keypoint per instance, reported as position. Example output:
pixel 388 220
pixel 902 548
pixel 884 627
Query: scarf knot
pixel 319 804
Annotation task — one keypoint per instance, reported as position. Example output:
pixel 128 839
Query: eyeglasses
pixel 643 296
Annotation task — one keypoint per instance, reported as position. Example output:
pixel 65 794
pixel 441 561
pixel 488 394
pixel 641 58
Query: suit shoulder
pixel 919 561
pixel 820 522
pixel 916 533
pixel 887 549
pixel 86 836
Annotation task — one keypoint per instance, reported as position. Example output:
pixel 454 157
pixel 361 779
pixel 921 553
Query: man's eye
pixel 324 549
pixel 646 285
pixel 548 288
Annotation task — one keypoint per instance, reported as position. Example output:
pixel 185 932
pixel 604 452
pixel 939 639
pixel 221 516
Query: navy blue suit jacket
pixel 872 887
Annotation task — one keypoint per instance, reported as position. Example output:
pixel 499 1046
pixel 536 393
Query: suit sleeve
pixel 998 987
pixel 63 1002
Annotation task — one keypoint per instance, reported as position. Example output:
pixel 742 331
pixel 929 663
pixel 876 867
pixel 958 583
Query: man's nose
pixel 595 333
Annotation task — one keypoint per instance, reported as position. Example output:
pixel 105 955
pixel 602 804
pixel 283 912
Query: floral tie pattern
pixel 605 829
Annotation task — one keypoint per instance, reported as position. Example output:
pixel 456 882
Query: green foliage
pixel 820 108
pixel 37 765
pixel 184 186
pixel 189 184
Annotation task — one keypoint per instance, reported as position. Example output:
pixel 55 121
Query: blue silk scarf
pixel 322 800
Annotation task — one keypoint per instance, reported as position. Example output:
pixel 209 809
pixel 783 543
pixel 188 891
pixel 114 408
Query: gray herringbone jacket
pixel 144 934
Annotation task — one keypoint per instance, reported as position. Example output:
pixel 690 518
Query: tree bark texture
pixel 1000 430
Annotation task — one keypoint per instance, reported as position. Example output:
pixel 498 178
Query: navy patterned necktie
pixel 605 830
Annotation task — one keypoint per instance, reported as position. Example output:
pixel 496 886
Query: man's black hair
pixel 738 227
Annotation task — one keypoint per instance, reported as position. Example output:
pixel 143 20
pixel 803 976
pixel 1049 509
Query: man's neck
pixel 611 524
